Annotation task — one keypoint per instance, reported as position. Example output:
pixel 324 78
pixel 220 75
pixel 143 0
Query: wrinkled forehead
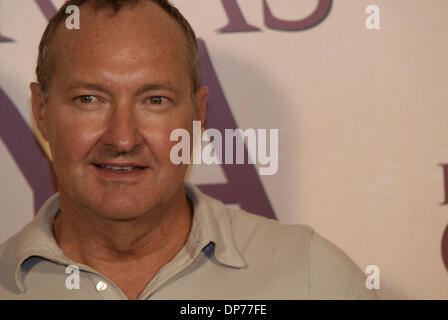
pixel 141 34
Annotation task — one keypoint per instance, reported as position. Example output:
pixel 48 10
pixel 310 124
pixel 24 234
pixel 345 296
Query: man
pixel 124 224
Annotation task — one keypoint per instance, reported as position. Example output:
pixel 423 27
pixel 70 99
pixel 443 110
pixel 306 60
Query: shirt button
pixel 101 286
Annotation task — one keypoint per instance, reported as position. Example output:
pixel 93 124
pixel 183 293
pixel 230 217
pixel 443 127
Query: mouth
pixel 119 169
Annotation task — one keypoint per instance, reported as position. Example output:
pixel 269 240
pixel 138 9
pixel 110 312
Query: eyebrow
pixel 146 87
pixel 155 86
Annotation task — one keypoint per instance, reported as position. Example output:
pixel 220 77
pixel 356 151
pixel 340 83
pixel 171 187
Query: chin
pixel 124 207
pixel 121 213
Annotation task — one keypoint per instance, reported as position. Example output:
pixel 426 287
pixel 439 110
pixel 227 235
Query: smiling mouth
pixel 118 169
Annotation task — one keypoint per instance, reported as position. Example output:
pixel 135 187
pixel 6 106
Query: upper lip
pixel 120 164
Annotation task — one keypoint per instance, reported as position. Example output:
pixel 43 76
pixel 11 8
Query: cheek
pixel 72 138
pixel 158 135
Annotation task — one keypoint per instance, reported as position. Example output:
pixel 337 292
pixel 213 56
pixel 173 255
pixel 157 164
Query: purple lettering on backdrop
pixel 445 247
pixel 26 151
pixel 445 182
pixel 445 233
pixel 47 8
pixel 237 22
pixel 319 14
pixel 5 39
pixel 244 185
pixel 21 142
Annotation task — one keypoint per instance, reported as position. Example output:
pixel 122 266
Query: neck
pixel 94 240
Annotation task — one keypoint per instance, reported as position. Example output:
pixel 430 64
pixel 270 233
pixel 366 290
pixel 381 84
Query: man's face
pixel 120 85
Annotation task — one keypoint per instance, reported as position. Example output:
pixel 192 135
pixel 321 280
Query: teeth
pixel 118 168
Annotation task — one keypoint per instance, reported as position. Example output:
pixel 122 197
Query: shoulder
pixel 331 273
pixel 252 230
pixel 245 226
pixel 248 226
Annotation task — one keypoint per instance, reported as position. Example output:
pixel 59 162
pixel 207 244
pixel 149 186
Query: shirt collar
pixel 211 224
pixel 36 239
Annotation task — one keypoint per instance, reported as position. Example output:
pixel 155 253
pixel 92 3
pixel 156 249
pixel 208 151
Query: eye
pixel 87 99
pixel 156 104
pixel 156 100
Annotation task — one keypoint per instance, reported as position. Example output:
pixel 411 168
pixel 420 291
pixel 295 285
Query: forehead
pixel 135 38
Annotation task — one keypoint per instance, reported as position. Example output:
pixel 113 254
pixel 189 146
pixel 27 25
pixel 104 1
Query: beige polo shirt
pixel 229 254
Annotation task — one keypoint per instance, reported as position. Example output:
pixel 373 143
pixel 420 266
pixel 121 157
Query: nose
pixel 122 131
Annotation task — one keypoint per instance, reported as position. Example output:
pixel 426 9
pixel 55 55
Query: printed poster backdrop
pixel 357 90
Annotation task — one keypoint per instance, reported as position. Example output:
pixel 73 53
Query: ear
pixel 39 109
pixel 201 102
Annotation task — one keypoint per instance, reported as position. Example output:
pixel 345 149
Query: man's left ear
pixel 201 104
